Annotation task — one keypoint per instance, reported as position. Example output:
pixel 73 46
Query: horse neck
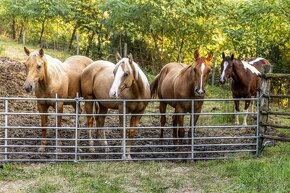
pixel 139 87
pixel 188 75
pixel 239 72
pixel 51 67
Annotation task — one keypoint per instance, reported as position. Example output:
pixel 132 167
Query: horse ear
pixel 232 57
pixel 27 52
pixel 210 56
pixel 223 55
pixel 41 52
pixel 196 54
pixel 118 57
pixel 130 57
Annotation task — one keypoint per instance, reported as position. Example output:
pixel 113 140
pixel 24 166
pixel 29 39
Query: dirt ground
pixel 12 77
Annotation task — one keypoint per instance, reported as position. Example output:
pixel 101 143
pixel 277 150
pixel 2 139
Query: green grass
pixel 270 173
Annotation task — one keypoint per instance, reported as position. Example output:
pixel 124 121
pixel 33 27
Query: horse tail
pixel 96 108
pixel 154 86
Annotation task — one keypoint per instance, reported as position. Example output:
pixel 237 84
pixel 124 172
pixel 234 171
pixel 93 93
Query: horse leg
pixel 174 131
pixel 122 130
pixel 101 133
pixel 77 134
pixel 247 104
pixel 43 109
pixel 180 129
pixel 59 122
pixel 237 109
pixel 162 109
pixel 197 109
pixel 134 122
pixel 90 123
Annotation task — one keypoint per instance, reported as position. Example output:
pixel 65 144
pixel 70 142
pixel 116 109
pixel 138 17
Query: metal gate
pixel 214 137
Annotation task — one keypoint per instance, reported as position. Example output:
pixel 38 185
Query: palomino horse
pixel 125 80
pixel 48 76
pixel 180 81
pixel 246 79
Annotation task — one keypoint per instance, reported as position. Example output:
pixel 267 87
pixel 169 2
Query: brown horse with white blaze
pixel 48 76
pixel 245 77
pixel 125 80
pixel 181 81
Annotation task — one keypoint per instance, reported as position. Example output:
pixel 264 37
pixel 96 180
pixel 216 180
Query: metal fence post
pixel 6 130
pixel 76 130
pixel 192 129
pixel 56 126
pixel 258 126
pixel 124 129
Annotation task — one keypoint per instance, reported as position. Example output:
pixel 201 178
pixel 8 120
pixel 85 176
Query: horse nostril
pixel 28 88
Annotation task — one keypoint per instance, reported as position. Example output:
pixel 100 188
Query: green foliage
pixel 155 31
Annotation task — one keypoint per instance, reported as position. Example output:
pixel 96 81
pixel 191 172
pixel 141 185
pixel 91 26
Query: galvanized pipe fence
pixel 213 137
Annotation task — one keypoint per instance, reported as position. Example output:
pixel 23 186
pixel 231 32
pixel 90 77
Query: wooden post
pixel 125 50
pixel 264 102
pixel 213 71
pixel 77 39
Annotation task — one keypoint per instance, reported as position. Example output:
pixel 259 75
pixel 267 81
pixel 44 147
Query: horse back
pixel 97 79
pixel 77 63
pixel 259 63
pixel 74 67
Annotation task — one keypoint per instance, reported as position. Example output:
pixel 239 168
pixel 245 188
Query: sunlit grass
pixel 15 50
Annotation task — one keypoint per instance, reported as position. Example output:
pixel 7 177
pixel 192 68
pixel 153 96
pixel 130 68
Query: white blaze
pixel 224 69
pixel 114 91
pixel 201 77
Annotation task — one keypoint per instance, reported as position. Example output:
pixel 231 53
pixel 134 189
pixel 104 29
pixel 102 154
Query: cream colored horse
pixel 125 80
pixel 48 76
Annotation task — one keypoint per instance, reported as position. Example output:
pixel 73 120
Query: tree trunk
pixel 72 37
pixel 78 45
pixel 179 59
pixel 90 40
pixel 13 29
pixel 155 38
pixel 42 32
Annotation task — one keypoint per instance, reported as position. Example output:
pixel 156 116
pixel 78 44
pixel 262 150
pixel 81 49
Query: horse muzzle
pixel 199 92
pixel 222 81
pixel 28 87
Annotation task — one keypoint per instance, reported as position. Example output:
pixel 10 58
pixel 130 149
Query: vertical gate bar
pixel 192 129
pixel 56 126
pixel 76 130
pixel 124 129
pixel 258 125
pixel 6 130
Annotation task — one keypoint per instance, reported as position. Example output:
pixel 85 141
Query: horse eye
pixel 38 66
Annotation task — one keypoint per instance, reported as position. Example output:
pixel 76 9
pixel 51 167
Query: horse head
pixel 202 69
pixel 125 73
pixel 36 65
pixel 226 68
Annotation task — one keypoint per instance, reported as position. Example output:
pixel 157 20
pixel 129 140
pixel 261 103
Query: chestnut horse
pixel 181 81
pixel 246 79
pixel 125 80
pixel 48 76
